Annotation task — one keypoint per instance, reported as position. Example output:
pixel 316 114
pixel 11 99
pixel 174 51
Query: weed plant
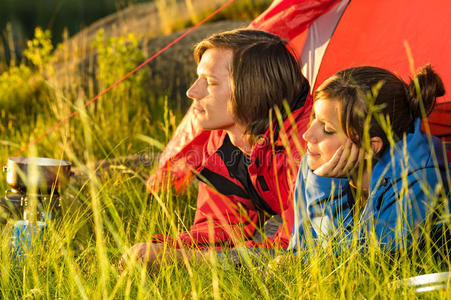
pixel 106 211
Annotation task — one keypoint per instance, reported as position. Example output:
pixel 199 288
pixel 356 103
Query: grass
pixel 104 213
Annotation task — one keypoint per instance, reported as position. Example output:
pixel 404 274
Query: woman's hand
pixel 345 160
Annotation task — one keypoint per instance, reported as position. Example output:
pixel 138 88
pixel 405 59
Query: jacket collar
pixel 289 127
pixel 417 150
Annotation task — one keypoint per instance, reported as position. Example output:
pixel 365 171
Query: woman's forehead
pixel 326 106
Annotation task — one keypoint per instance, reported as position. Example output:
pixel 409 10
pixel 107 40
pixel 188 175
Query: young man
pixel 252 105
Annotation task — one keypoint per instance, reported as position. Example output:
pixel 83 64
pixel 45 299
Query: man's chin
pixel 203 125
pixel 207 125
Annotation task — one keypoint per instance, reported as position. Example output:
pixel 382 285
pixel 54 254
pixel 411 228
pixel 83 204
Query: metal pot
pixel 45 174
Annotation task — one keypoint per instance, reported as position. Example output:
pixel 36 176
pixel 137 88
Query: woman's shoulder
pixel 417 150
pixel 417 157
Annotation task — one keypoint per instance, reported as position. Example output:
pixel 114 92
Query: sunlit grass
pixel 103 216
pixel 105 211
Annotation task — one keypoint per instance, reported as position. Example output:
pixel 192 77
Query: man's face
pixel 212 90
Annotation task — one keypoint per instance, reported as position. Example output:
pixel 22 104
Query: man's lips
pixel 198 109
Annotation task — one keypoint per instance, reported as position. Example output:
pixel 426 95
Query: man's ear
pixel 376 144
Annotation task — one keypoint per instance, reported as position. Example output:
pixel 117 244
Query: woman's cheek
pixel 331 149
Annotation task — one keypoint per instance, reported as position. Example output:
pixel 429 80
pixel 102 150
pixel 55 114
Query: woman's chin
pixel 313 163
pixel 311 166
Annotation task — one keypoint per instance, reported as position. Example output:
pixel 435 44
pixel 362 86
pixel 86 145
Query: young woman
pixel 369 167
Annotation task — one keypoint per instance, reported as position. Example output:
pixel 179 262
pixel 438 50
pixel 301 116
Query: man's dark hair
pixel 264 74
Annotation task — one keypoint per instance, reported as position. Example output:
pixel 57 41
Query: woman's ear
pixel 376 144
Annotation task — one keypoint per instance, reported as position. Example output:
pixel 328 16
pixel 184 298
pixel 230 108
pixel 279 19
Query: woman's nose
pixel 309 135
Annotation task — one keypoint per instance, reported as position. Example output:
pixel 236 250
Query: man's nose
pixel 193 92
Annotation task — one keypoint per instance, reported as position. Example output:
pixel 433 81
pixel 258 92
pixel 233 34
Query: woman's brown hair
pixel 264 74
pixel 398 103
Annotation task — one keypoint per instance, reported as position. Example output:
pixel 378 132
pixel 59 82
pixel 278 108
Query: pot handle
pixel 5 169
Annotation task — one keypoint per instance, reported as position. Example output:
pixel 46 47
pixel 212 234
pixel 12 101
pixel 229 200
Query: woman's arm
pixel 323 198
pixel 322 204
pixel 394 215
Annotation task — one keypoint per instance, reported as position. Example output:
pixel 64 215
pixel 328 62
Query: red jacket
pixel 228 208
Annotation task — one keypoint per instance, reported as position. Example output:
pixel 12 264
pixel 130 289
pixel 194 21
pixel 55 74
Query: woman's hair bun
pixel 430 87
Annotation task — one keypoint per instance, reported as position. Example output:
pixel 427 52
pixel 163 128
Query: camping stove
pixel 30 223
pixel 47 177
pixel 17 204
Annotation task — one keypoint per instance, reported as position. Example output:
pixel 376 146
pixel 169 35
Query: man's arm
pixel 219 220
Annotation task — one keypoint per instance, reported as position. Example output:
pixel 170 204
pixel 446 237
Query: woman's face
pixel 325 134
pixel 211 91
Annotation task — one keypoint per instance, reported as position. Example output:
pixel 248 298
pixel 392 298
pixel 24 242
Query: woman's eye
pixel 328 132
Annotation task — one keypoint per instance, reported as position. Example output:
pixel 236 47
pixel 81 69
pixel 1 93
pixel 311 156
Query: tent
pixel 330 35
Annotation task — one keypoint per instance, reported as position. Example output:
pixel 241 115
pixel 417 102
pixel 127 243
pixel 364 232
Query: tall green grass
pixel 107 211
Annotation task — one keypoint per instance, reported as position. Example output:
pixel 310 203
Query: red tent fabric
pixel 330 35
pixel 375 33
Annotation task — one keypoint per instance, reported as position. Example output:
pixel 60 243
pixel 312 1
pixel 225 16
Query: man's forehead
pixel 215 61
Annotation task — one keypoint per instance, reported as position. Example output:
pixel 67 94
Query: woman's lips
pixel 310 153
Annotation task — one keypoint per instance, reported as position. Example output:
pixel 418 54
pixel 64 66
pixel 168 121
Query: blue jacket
pixel 405 184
